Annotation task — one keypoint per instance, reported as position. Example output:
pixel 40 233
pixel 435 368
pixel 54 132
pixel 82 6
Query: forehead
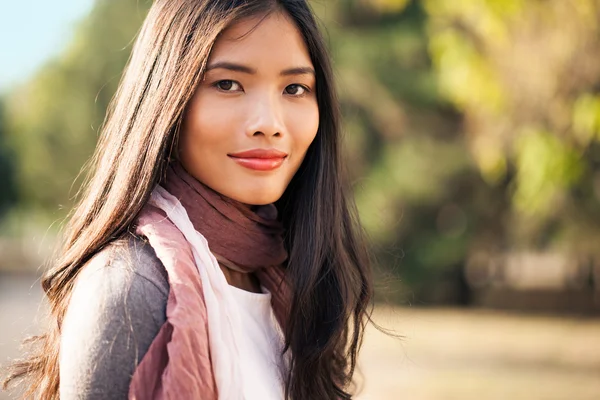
pixel 263 42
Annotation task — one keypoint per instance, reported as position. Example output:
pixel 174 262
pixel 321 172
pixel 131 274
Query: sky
pixel 32 31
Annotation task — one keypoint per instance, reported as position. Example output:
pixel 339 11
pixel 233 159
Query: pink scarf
pixel 179 363
pixel 250 237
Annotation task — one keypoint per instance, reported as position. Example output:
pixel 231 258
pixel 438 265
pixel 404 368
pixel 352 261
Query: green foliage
pixel 547 167
pixel 7 170
pixel 55 118
pixel 471 126
pixel 586 119
pixel 525 75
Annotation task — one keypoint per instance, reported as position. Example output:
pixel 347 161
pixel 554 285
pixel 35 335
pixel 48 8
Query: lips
pixel 259 159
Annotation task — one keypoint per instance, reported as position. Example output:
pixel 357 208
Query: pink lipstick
pixel 259 159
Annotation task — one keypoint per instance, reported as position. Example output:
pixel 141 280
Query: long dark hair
pixel 328 263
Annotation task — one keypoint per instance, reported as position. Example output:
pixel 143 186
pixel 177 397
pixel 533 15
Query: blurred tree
pixel 526 75
pixel 419 193
pixel 471 126
pixel 7 171
pixel 55 118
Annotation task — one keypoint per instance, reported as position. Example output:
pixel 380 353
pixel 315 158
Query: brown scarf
pixel 178 363
pixel 249 237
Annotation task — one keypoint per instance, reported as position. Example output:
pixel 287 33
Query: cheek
pixel 206 136
pixel 303 126
pixel 205 125
pixel 202 138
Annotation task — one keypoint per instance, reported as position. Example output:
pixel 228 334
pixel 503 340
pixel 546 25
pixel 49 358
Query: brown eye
pixel 227 85
pixel 295 90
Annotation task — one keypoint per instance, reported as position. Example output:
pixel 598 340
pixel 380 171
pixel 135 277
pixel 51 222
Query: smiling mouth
pixel 259 159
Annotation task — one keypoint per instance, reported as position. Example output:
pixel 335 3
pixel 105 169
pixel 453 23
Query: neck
pixel 242 280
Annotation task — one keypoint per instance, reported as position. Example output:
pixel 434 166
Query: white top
pixel 261 342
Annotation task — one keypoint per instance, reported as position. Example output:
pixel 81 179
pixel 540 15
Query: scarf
pixel 247 237
pixel 195 354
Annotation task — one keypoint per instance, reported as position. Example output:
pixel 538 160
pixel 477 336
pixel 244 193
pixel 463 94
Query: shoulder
pixel 116 309
pixel 129 262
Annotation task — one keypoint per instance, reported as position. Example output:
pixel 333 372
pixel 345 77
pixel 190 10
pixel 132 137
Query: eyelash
pixel 218 83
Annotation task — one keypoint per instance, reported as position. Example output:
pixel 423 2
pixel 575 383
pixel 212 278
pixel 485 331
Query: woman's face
pixel 248 126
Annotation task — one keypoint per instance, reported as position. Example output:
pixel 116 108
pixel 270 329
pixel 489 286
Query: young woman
pixel 215 251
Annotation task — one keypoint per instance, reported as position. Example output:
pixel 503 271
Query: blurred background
pixel 473 137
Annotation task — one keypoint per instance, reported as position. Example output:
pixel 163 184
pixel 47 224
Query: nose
pixel 265 116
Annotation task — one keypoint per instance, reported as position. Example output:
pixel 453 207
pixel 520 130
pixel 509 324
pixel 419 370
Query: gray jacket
pixel 116 309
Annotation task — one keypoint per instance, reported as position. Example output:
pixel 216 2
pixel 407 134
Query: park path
pixel 445 354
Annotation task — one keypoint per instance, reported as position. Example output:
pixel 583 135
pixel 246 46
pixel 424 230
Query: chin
pixel 259 200
pixel 259 197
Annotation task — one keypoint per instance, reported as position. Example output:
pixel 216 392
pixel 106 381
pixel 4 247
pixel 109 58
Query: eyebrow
pixel 247 70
